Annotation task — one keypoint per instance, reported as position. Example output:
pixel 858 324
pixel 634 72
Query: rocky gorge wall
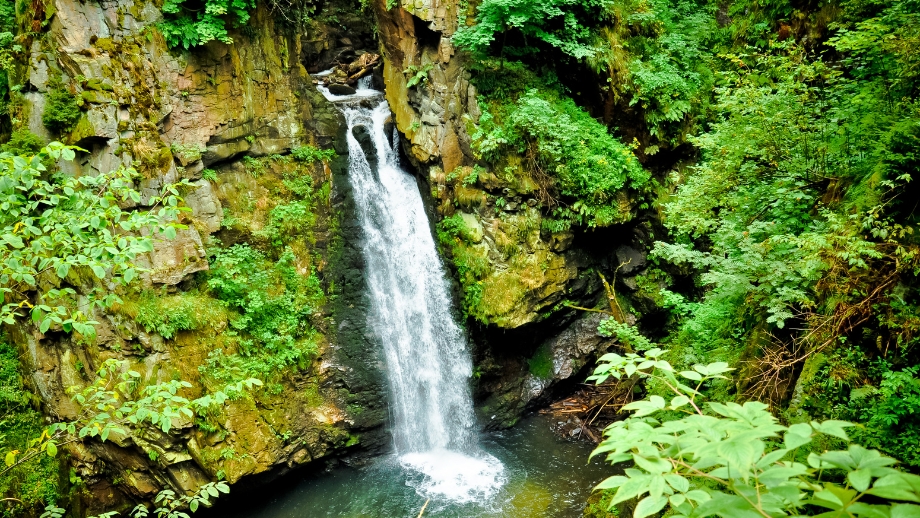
pixel 226 118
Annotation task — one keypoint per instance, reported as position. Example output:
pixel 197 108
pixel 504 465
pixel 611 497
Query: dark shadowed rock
pixel 338 89
pixel 630 261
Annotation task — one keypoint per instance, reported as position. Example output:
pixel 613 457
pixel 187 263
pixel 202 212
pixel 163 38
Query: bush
pixel 275 307
pixel 190 26
pixel 702 458
pixel 35 484
pixel 310 153
pixel 61 111
pixel 23 142
pixel 588 166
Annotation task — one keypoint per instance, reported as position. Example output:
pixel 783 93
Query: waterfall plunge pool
pixel 544 476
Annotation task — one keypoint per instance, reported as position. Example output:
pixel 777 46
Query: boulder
pixel 338 89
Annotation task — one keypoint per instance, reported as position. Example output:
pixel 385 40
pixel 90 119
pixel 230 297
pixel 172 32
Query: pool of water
pixel 542 476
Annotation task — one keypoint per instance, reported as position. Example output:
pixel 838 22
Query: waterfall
pixel 427 364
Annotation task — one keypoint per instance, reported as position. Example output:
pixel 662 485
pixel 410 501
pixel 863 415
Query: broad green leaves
pixel 560 24
pixel 189 27
pixel 53 225
pixel 725 459
pixel 118 402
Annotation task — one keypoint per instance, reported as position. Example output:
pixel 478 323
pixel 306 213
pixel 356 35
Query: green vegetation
pixel 799 222
pixel 190 25
pixel 472 262
pixel 116 401
pixel 581 168
pixel 60 225
pixel 541 364
pixel 276 308
pixel 787 136
pixel 23 142
pixel 286 218
pixel 561 24
pixel 58 228
pixel 726 459
pixel 308 153
pixel 168 314
pixel 39 483
pixel 62 110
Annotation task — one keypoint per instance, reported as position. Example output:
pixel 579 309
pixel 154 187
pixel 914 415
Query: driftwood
pixel 349 73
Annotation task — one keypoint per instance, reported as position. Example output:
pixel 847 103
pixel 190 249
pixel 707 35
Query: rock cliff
pixel 225 118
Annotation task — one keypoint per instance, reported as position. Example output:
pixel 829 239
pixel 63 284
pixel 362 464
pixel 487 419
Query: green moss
pixel 167 315
pixel 541 364
pixel 599 506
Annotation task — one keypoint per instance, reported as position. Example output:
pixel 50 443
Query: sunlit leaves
pixel 51 225
pixel 724 459
pixel 555 23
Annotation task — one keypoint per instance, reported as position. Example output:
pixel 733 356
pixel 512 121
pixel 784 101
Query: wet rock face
pixel 513 387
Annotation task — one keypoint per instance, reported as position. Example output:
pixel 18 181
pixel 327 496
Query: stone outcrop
pixel 514 386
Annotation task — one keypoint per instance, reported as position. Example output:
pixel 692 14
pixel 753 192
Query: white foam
pixel 453 476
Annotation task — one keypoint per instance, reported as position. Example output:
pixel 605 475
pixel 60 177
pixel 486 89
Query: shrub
pixel 588 166
pixel 275 306
pixel 61 110
pixel 186 25
pixel 728 460
pixel 308 153
pixel 23 142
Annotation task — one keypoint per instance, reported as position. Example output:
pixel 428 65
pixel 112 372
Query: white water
pixel 428 366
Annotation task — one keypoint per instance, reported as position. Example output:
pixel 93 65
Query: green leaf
pixel 905 511
pixel 98 271
pixel 833 427
pixel 51 449
pixel 679 401
pixel 10 458
pixel 677 482
pixel 649 506
pixel 797 435
pixel 860 479
pixel 693 375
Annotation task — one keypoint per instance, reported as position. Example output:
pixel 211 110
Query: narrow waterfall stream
pixel 428 367
pixel 524 472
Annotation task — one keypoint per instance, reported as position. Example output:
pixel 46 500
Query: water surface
pixel 545 477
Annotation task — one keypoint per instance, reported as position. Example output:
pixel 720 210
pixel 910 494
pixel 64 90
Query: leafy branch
pixel 52 224
pixel 735 460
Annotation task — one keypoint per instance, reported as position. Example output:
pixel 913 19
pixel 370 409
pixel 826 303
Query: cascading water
pixel 427 363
